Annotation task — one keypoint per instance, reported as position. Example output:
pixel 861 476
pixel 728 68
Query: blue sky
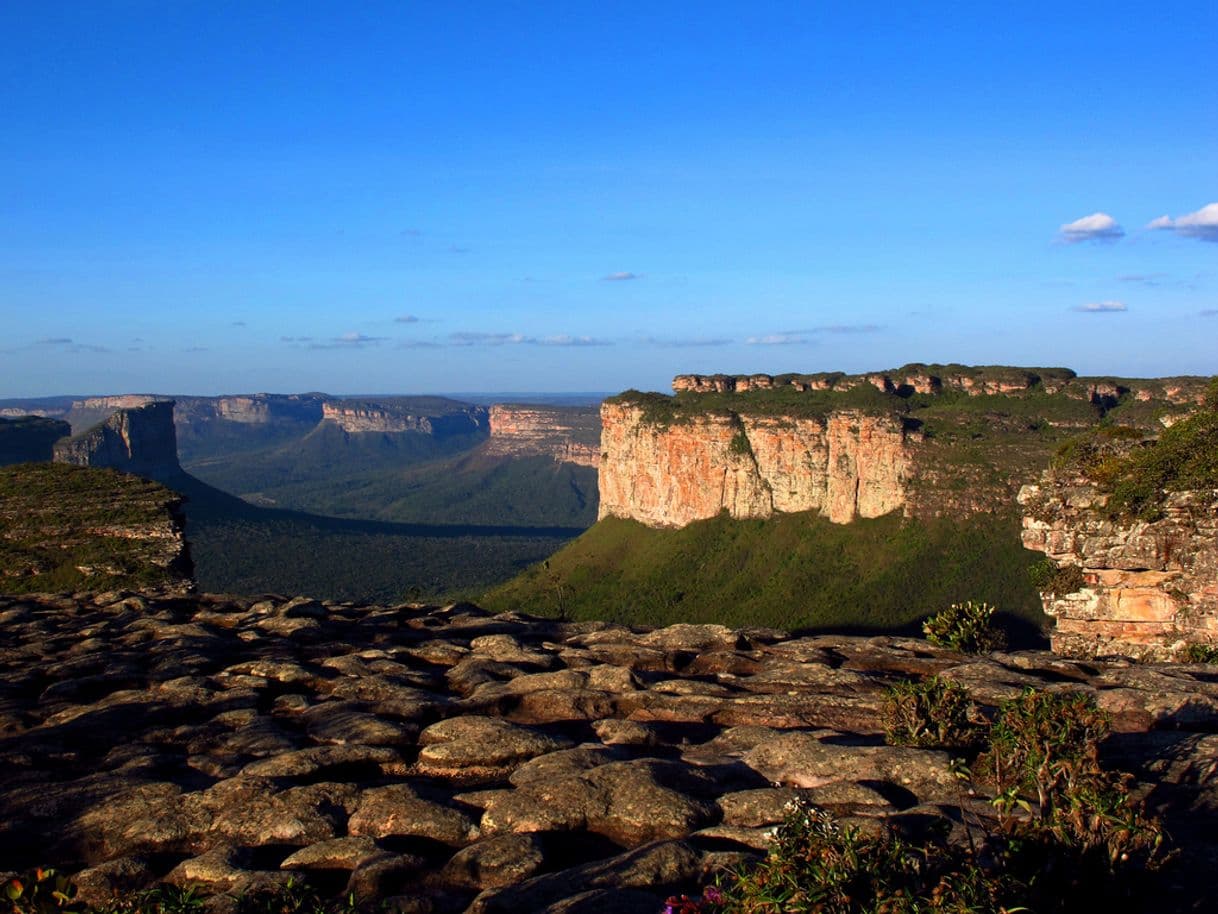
pixel 204 197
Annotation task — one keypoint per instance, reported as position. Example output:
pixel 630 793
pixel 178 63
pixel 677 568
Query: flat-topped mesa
pixel 974 381
pixel 30 438
pixel 1141 589
pixel 566 434
pixel 843 466
pixel 119 401
pixel 139 440
pixel 358 417
pixel 251 409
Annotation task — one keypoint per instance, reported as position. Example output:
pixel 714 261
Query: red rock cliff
pixel 844 466
pixel 567 434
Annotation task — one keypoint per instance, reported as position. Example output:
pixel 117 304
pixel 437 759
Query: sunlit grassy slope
pixel 791 571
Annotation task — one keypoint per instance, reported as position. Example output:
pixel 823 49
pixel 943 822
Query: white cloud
pixel 1202 225
pixel 1101 307
pixel 620 277
pixel 477 338
pixel 683 343
pixel 777 339
pixel 406 319
pixel 1096 227
pixel 564 339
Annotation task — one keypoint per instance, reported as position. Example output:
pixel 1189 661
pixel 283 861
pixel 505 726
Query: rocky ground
pixel 459 761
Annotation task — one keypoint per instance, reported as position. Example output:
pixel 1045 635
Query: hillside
pixel 29 438
pixel 66 528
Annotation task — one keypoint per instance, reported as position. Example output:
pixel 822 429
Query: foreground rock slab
pixel 458 761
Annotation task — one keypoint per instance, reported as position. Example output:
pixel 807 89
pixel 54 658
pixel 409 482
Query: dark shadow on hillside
pixel 1022 635
pixel 205 501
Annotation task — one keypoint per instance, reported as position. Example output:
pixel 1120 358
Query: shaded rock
pixel 398 810
pixel 495 862
pixel 480 747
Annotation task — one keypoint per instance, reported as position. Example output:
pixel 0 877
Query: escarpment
pixel 927 440
pixel 566 434
pixel 843 466
pixel 1146 589
pixel 359 417
pixel 140 440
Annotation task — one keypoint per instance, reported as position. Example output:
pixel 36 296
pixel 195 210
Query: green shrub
pixel 818 865
pixel 1043 762
pixel 934 714
pixel 1198 653
pixel 1048 577
pixel 41 891
pixel 967 627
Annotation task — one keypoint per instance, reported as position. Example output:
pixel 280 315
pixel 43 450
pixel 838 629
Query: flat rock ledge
pixel 457 761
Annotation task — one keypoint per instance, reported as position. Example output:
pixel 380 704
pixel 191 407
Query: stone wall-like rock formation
pixel 463 762
pixel 844 466
pixel 567 434
pixel 356 417
pixel 250 409
pixel 1148 588
pixel 975 381
pixel 140 440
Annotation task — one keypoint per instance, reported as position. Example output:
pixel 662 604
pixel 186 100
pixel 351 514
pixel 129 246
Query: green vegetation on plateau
pixel 790 571
pixel 1140 474
pixel 65 528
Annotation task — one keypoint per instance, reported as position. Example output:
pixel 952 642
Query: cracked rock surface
pixel 458 761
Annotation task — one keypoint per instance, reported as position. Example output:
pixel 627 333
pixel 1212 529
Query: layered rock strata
pixel 84 528
pixel 1145 589
pixel 974 381
pixel 140 440
pixel 566 434
pixel 450 760
pixel 844 466
pixel 360 418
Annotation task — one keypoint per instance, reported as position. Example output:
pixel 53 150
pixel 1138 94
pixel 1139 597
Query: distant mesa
pixel 30 438
pixel 362 417
pixel 566 434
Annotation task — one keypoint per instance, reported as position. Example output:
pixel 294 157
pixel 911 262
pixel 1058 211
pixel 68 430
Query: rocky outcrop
pixel 1142 589
pixel 566 434
pixel 451 760
pixel 360 417
pixel 65 527
pixel 843 466
pixel 30 438
pixel 139 440
pixel 975 381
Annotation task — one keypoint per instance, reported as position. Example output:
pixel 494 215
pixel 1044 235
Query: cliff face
pixel 360 417
pixel 250 409
pixel 139 440
pixel 844 466
pixel 567 434
pixel 1145 589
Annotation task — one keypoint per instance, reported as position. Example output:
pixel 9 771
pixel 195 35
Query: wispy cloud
pixel 778 339
pixel 195 349
pixel 351 340
pixel 296 339
pixel 412 233
pixel 621 277
pixel 1096 227
pixel 457 249
pixel 1202 225
pixel 420 344
pixel 847 328
pixel 238 323
pixel 54 341
pixel 1101 307
pixel 1157 281
pixel 685 343
pixel 478 338
pixel 1209 312
pixel 406 319
pixel 67 344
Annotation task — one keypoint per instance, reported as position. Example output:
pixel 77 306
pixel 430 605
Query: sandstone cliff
pixel 843 466
pixel 363 417
pixel 1143 589
pixel 567 434
pixel 250 409
pixel 139 440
